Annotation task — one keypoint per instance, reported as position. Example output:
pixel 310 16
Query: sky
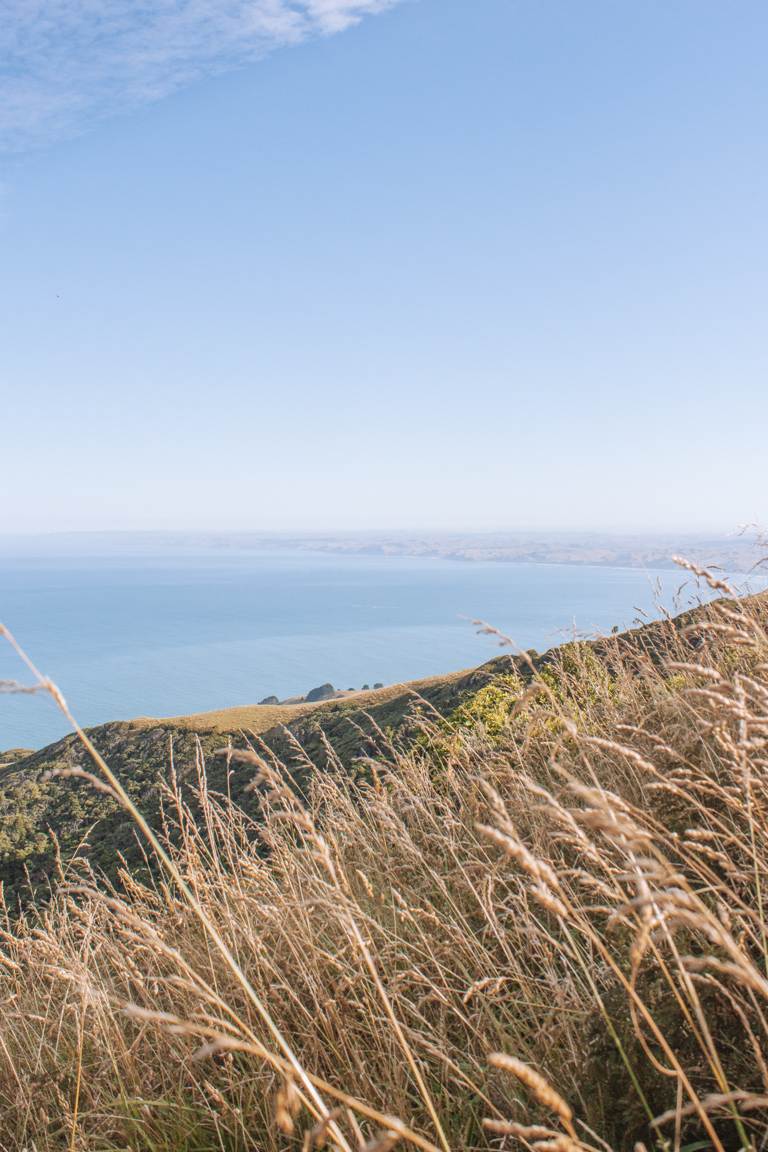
pixel 337 264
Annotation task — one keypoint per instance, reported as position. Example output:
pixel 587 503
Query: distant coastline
pixel 733 553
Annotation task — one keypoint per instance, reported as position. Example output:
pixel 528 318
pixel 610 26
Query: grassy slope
pixel 41 814
pixel 261 718
pixel 570 871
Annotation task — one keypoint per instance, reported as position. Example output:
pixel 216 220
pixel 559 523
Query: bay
pixel 175 632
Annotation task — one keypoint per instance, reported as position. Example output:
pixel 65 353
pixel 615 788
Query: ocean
pixel 174 632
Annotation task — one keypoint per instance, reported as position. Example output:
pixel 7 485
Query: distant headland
pixel 737 551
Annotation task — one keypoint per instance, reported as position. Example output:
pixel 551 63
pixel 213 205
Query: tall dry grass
pixel 546 933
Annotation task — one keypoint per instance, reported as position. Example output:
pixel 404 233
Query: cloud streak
pixel 67 63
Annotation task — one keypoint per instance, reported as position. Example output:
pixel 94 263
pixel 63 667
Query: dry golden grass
pixel 260 718
pixel 257 718
pixel 552 938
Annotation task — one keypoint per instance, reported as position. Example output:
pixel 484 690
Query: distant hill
pixel 733 552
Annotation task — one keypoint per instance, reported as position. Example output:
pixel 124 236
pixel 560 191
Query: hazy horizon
pixel 459 530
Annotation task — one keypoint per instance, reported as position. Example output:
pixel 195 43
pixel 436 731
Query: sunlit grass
pixel 541 926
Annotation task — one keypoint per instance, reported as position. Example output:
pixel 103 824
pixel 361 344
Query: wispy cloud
pixel 65 63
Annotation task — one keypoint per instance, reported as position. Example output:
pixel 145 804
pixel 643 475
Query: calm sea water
pixel 167 634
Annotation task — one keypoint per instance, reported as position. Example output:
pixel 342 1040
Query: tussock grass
pixel 546 931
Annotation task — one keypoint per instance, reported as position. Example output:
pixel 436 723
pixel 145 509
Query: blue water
pixel 167 634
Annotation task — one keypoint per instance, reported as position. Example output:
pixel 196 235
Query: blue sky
pixel 339 264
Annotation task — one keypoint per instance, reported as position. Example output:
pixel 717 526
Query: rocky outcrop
pixel 324 692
